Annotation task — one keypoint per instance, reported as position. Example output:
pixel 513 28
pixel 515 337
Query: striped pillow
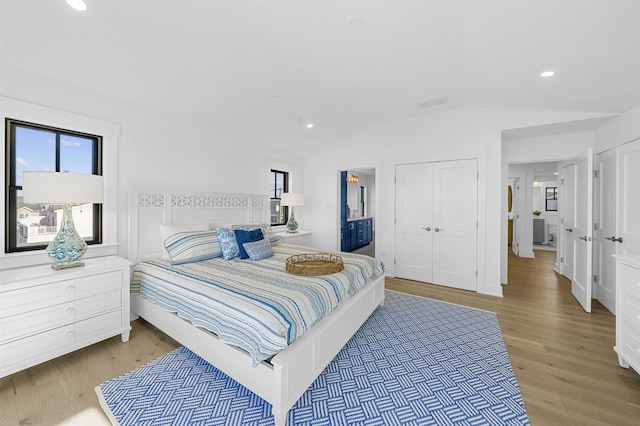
pixel 258 250
pixel 186 247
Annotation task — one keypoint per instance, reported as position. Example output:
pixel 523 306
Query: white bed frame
pixel 290 372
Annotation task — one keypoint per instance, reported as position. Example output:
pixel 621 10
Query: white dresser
pixel 46 313
pixel 628 311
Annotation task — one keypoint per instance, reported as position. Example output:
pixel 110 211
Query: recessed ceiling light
pixel 77 5
pixel 309 125
pixel 547 74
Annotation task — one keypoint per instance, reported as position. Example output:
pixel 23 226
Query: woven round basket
pixel 314 264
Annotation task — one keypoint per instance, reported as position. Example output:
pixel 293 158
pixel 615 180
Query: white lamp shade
pixel 61 188
pixel 293 199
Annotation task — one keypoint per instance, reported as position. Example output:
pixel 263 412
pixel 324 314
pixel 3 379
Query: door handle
pixel 438 229
pixel 428 228
pixel 614 239
pixel 569 230
pixel 583 238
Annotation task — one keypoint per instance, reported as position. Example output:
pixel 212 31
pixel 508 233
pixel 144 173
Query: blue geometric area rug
pixel 415 361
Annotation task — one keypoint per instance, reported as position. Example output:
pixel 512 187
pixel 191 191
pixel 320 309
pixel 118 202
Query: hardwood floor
pixel 563 358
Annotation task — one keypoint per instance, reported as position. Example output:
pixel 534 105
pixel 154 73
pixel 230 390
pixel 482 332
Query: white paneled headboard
pixel 149 208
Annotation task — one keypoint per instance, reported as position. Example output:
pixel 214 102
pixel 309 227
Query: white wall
pixel 158 150
pixel 465 133
pixel 618 131
pixel 161 151
pixel 611 133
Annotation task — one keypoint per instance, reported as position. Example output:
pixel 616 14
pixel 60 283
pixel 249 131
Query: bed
pixel 279 375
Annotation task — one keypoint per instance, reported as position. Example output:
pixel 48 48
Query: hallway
pixel 563 357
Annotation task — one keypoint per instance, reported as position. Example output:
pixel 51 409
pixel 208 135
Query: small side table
pixel 300 238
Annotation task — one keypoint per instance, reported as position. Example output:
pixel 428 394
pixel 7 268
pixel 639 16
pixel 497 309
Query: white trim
pixel 110 132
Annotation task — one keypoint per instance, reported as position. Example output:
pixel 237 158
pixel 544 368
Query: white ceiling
pixel 223 62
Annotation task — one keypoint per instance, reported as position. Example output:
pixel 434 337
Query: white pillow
pixel 168 230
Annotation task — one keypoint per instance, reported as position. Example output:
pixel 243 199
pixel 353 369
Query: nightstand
pixel 46 313
pixel 300 238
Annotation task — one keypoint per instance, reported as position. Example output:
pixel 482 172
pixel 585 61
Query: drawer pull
pixel 70 289
pixel 70 334
pixel 70 311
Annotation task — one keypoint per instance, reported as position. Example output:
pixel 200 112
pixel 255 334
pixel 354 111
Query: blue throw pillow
pixel 267 232
pixel 228 243
pixel 259 250
pixel 244 236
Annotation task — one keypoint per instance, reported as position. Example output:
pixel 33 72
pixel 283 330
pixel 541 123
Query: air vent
pixel 432 103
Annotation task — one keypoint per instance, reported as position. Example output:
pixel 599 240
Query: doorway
pixel 567 203
pixel 357 211
pixel 534 214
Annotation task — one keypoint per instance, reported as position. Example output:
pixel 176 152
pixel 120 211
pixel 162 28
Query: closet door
pixel 629 211
pixel 414 219
pixel 455 200
pixel 436 223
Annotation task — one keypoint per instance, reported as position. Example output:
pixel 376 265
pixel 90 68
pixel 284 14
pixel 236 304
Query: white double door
pixel 436 222
pixel 617 216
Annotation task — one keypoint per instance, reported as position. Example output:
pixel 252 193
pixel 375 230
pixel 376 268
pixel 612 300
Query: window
pixel 33 147
pixel 551 202
pixel 278 183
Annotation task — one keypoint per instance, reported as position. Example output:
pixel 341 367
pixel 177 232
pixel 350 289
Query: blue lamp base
pixel 67 248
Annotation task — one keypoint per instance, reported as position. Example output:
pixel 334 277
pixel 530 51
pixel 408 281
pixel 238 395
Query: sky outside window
pixel 41 149
pixel 36 152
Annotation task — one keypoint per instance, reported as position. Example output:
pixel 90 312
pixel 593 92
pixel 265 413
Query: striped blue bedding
pixel 255 305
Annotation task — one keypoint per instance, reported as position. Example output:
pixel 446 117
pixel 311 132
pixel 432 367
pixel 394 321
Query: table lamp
pixel 67 248
pixel 293 200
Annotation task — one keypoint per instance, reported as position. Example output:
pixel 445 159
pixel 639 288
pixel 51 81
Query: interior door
pixel 581 283
pixel 455 200
pixel 567 192
pixel 414 218
pixel 604 246
pixel 515 214
pixel 629 212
